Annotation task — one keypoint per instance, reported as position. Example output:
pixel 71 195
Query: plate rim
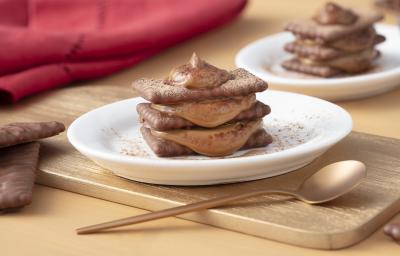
pixel 317 82
pixel 305 148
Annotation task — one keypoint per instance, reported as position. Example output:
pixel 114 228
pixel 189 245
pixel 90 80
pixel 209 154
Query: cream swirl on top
pixel 198 74
pixel 333 14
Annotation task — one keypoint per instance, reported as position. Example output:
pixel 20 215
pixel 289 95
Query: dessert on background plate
pixel 201 109
pixel 390 5
pixel 360 58
pixel 335 41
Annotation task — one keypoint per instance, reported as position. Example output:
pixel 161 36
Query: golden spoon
pixel 324 185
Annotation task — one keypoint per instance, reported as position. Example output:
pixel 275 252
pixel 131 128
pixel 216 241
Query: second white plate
pixel 263 58
pixel 302 127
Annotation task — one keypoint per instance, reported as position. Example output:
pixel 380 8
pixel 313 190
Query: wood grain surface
pixel 334 225
pixel 47 226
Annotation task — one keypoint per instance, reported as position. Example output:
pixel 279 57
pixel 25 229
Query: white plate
pixel 303 128
pixel 263 58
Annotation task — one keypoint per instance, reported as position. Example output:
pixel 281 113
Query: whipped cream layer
pixel 220 141
pixel 210 113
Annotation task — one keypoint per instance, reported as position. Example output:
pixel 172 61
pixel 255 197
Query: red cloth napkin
pixel 48 43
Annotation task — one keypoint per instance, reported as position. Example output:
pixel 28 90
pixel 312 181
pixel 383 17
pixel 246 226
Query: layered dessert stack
pixel 335 41
pixel 202 109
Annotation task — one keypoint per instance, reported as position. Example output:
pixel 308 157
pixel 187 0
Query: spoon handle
pixel 206 204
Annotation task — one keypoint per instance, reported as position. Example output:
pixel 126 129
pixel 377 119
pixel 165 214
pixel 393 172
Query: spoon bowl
pixel 331 182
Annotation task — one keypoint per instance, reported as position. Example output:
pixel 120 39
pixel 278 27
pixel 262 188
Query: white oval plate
pixel 302 127
pixel 263 58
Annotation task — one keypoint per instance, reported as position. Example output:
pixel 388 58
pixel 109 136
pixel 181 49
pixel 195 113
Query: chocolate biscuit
pixel 322 52
pixel 17 133
pixel 165 148
pixel 314 52
pixel 321 33
pixel 322 71
pixel 160 92
pixel 162 122
pixel 17 174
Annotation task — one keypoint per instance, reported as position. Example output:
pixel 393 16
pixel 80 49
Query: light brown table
pixel 46 227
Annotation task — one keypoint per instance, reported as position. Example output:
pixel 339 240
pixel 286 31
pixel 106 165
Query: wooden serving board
pixel 338 224
pixel 335 225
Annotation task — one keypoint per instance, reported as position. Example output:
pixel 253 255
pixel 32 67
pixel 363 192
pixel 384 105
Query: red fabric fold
pixel 47 43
